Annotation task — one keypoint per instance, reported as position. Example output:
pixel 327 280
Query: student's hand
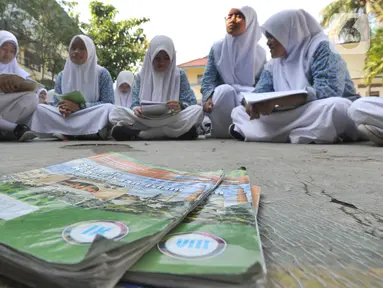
pixel 293 100
pixel 174 105
pixel 256 110
pixel 9 87
pixel 64 112
pixel 69 105
pixel 137 112
pixel 208 106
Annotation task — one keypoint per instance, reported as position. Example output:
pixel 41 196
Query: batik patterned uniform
pixel 234 65
pixel 316 67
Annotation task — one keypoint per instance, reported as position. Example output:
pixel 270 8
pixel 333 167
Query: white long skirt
pixel 225 99
pixel 48 120
pixel 18 107
pixel 368 111
pixel 321 121
pixel 171 127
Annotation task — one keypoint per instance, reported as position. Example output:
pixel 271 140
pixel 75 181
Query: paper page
pixel 253 98
pixel 144 102
pixel 11 208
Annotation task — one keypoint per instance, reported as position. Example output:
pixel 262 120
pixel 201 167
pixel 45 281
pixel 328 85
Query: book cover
pixel 218 240
pixel 55 213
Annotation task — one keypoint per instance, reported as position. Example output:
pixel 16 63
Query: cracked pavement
pixel 321 209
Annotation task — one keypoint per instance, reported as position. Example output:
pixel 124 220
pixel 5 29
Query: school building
pixel 355 63
pixel 194 70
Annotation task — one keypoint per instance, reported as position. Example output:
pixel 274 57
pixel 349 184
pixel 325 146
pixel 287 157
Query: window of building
pixel 199 79
pixel 375 94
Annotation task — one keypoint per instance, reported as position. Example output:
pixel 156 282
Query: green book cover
pixel 55 213
pixel 219 238
pixel 75 96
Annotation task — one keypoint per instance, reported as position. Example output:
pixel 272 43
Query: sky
pixel 195 25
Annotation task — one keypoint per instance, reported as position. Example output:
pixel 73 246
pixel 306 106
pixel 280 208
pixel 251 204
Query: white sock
pixel 7 126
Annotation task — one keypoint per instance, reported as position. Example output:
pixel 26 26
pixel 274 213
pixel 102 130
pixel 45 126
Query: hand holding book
pixel 267 107
pixel 67 107
pixel 258 104
pixel 11 83
pixel 174 105
pixel 157 110
pixel 8 87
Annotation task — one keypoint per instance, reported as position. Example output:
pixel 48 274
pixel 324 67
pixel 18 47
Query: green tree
pixel 121 45
pixel 374 63
pixel 52 31
pixel 43 26
pixel 14 19
pixel 374 9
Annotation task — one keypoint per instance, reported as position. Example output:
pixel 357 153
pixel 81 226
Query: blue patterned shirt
pixel 187 96
pixel 211 78
pixel 329 76
pixel 106 89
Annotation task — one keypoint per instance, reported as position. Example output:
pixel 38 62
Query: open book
pixel 155 110
pixel 23 84
pixel 252 98
pixel 75 96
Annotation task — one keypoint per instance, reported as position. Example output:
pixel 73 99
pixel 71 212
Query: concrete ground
pixel 321 215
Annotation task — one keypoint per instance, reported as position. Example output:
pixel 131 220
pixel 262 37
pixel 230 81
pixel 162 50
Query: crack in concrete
pixel 336 201
pixel 365 223
pixel 306 188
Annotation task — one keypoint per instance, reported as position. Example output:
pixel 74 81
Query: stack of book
pixel 109 219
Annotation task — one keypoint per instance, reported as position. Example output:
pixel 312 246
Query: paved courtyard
pixel 321 215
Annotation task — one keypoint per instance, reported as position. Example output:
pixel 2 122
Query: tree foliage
pixel 374 63
pixel 346 27
pixel 44 28
pixel 121 45
pixel 372 8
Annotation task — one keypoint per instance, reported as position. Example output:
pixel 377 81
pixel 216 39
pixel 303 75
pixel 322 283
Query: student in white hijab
pixel 16 108
pixel 42 96
pixel 159 81
pixel 367 112
pixel 302 59
pixel 234 65
pixel 123 90
pixel 70 120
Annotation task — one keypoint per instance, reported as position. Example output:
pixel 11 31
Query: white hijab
pixel 39 92
pixel 239 59
pixel 50 95
pixel 12 67
pixel 85 77
pixel 124 99
pixel 160 86
pixel 300 34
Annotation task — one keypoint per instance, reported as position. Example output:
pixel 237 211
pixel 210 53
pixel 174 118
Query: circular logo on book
pixel 83 233
pixel 192 245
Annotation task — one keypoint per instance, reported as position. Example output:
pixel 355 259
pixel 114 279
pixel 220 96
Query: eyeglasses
pixel 236 16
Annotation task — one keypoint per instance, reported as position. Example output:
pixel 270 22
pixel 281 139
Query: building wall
pixel 194 75
pixel 355 64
